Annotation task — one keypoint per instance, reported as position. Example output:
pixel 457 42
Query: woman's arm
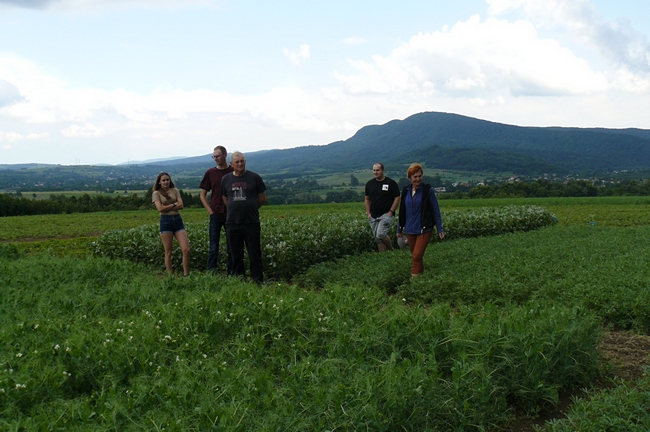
pixel 165 207
pixel 179 201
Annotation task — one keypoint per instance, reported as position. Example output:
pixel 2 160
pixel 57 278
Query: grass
pixel 95 344
pixel 605 211
pixel 494 324
pixel 600 268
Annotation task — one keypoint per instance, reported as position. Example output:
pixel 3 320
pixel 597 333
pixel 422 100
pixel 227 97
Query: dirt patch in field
pixel 628 354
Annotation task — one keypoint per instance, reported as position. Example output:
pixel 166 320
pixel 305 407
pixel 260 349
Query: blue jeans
pixel 171 224
pixel 216 223
pixel 249 235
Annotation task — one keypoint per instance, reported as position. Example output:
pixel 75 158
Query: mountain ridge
pixel 450 141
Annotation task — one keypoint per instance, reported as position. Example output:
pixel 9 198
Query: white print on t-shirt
pixel 384 187
pixel 238 191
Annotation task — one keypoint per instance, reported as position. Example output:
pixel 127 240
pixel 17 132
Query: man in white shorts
pixel 382 200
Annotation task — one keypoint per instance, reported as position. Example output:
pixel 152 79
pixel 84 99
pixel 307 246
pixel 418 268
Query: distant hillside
pixel 14 167
pixel 439 140
pixel 445 141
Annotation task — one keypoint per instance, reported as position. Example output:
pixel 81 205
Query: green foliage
pixel 57 204
pixel 625 408
pixel 601 269
pixel 345 196
pixel 9 251
pixel 489 221
pixel 77 246
pixel 96 344
pixel 290 245
pixel 478 160
pixel 39 227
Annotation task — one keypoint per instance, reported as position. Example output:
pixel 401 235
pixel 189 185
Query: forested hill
pixel 439 140
pixel 451 141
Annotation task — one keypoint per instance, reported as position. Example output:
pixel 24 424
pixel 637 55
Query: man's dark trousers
pixel 249 235
pixel 216 223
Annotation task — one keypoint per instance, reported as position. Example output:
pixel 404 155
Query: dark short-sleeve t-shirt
pixel 242 194
pixel 212 183
pixel 381 194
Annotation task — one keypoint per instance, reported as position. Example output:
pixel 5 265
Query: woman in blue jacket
pixel 419 212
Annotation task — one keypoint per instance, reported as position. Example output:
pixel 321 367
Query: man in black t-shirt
pixel 243 192
pixel 382 200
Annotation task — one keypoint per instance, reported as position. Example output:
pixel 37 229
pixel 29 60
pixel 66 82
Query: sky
pixel 86 82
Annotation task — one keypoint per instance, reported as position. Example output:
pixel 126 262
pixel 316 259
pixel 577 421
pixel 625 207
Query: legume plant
pixel 290 245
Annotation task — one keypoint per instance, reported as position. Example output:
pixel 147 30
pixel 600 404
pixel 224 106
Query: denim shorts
pixel 380 226
pixel 171 224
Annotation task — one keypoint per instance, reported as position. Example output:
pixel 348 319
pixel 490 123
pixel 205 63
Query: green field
pixel 603 211
pixel 494 333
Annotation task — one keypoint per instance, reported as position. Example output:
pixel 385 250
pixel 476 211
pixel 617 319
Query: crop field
pixel 507 320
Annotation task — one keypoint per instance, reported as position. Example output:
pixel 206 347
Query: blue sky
pixel 110 81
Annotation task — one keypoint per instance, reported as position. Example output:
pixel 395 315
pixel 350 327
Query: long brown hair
pixel 157 186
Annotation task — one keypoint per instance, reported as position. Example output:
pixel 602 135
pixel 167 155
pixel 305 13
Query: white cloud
pixel 83 131
pixel 93 112
pixel 476 58
pixel 16 137
pixel 296 57
pixel 617 41
pixel 9 93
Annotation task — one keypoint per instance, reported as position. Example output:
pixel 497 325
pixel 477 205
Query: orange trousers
pixel 418 245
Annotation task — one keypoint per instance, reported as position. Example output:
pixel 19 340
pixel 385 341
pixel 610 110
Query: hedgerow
pixel 290 245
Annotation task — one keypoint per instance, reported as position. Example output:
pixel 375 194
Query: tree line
pixel 306 194
pixel 58 204
pixel 545 188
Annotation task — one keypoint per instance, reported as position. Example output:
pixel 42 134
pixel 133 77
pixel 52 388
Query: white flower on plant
pixel 19 355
